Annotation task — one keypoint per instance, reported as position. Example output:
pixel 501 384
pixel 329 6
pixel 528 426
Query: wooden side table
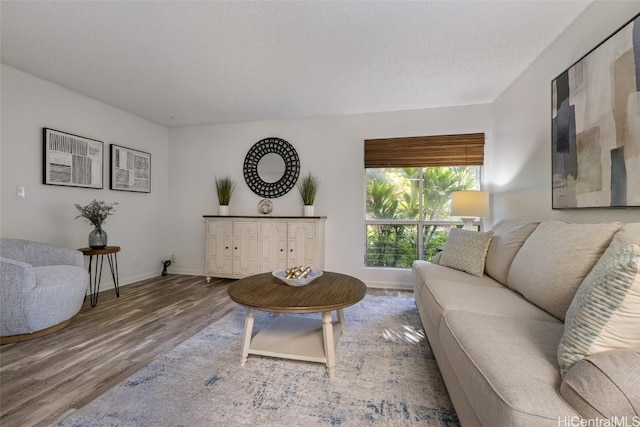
pixel 96 277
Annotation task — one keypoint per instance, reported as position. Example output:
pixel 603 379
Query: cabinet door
pixel 245 248
pixel 219 240
pixel 273 245
pixel 302 244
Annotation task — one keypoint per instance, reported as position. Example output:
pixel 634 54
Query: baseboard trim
pixel 188 272
pixel 390 285
pixel 106 286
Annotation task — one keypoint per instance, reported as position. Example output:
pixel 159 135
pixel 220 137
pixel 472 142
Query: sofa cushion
pixel 555 259
pixel 466 250
pixel 508 237
pixel 425 270
pixel 425 273
pixel 508 367
pixel 605 385
pixel 445 295
pixel 605 313
pixel 628 234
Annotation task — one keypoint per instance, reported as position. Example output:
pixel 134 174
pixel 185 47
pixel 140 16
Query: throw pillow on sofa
pixel 466 250
pixel 628 234
pixel 605 313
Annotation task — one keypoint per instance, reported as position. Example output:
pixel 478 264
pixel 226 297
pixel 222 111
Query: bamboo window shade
pixel 425 151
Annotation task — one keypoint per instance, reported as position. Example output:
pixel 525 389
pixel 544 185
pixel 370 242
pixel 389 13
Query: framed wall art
pixel 596 126
pixel 71 160
pixel 130 169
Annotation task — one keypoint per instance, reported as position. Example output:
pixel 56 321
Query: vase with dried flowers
pixel 96 213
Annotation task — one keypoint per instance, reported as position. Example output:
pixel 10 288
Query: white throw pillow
pixel 605 313
pixel 466 250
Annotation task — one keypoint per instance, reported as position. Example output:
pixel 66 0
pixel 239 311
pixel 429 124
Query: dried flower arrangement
pixel 96 212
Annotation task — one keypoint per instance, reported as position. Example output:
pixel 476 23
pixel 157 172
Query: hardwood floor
pixel 46 379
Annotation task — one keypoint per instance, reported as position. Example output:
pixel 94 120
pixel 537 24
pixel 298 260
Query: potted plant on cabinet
pixel 308 187
pixel 225 187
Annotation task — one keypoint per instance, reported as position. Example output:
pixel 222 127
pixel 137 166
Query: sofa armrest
pixel 604 385
pixel 15 279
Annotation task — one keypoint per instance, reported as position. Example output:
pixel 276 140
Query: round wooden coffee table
pixel 295 337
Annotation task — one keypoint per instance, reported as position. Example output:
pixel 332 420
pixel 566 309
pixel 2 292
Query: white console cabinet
pixel 238 247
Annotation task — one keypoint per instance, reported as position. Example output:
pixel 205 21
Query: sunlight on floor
pixel 407 333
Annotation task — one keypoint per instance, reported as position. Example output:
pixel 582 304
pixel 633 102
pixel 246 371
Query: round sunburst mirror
pixel 271 167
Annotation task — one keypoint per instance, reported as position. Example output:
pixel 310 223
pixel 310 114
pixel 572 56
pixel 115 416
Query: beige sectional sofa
pixel 496 335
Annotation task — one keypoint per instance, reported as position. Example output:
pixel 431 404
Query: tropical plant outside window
pixel 407 211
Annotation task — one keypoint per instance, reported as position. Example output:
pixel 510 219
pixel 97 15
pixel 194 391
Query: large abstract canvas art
pixel 596 126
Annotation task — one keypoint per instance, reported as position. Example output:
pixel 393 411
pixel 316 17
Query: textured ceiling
pixel 185 63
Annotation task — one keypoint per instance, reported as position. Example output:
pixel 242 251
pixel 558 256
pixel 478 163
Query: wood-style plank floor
pixel 46 379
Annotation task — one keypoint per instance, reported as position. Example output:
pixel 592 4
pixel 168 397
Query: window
pixel 407 213
pixel 409 182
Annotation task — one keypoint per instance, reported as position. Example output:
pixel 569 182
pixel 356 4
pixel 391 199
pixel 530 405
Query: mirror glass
pixel 271 167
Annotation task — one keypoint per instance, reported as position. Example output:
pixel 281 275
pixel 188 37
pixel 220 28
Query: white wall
pixel 47 213
pixel 519 158
pixel 331 148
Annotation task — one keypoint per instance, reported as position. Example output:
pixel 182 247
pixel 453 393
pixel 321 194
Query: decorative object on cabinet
pixel 271 167
pixel 96 213
pixel 595 155
pixel 265 206
pixel 71 160
pixel 238 247
pixel 130 170
pixel 224 187
pixel 308 187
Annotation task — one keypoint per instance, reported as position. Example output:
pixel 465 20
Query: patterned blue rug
pixel 385 375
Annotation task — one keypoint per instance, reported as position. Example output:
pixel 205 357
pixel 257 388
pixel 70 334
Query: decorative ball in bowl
pixel 300 281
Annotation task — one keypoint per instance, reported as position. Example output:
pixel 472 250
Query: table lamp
pixel 469 205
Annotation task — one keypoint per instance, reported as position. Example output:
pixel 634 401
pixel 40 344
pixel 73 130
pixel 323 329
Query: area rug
pixel 386 375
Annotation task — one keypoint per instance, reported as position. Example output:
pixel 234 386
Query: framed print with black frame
pixel 596 126
pixel 130 169
pixel 71 160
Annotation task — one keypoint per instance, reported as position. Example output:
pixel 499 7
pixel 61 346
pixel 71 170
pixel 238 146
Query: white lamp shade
pixel 470 204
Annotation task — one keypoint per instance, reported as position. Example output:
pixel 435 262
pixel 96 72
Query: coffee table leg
pixel 341 320
pixel 329 347
pixel 246 335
